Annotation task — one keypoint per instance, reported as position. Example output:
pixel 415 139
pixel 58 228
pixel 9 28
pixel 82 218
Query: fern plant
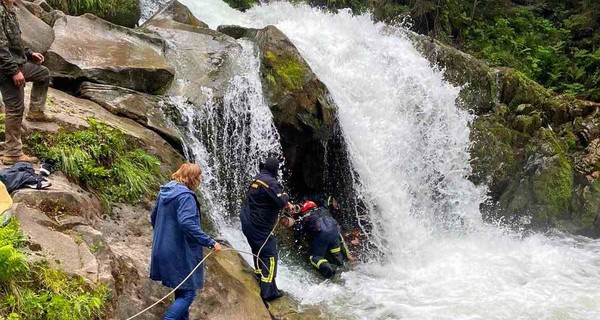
pixel 102 159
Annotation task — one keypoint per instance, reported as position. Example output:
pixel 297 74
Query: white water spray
pixel 409 142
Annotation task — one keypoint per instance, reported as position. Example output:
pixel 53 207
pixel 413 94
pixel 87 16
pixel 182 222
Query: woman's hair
pixel 188 174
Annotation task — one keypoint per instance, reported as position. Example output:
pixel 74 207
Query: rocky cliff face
pixel 535 150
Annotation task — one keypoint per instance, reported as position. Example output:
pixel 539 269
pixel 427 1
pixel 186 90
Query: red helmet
pixel 308 205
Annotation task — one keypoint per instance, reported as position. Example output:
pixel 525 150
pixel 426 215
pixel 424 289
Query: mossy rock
pixel 242 5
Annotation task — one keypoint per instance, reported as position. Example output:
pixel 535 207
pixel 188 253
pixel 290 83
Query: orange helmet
pixel 308 205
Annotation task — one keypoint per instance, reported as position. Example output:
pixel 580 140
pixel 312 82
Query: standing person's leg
pixel 268 268
pixel 249 232
pixel 14 103
pixel 179 309
pixel 40 76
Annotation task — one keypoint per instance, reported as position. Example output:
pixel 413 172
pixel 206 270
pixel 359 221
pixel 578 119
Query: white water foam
pixel 408 142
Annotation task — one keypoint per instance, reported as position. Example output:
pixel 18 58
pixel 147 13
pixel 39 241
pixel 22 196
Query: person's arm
pixel 28 53
pixel 154 212
pixel 7 64
pixel 276 193
pixel 187 216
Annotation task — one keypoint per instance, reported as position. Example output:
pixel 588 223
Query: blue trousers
pixel 265 265
pixel 179 310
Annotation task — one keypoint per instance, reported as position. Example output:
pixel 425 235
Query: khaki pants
pixel 14 104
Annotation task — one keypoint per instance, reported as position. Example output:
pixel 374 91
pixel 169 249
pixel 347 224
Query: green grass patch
pixel 103 160
pixel 34 291
pixel 122 12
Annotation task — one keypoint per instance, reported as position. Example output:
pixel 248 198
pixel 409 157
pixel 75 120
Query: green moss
pixel 528 123
pixel 495 150
pixel 553 188
pixel 34 291
pixel 121 12
pixel 287 71
pixel 103 160
pixel 590 206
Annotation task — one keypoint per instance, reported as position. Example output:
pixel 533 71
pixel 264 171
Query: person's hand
pixel 287 222
pixel 38 58
pixel 217 247
pixel 19 79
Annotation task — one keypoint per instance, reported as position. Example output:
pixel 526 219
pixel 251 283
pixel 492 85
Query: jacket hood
pixel 172 190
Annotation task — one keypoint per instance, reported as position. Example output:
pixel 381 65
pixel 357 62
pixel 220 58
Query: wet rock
pixel 204 59
pixel 72 112
pixel 89 48
pixel 66 252
pixel 302 109
pixel 524 109
pixel 143 108
pixel 36 34
pixel 174 11
pixel 237 32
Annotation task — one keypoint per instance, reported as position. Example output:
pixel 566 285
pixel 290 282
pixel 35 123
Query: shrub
pixel 103 160
pixel 36 292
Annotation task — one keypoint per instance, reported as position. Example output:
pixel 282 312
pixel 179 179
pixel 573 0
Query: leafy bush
pixel 122 12
pixel 36 292
pixel 103 160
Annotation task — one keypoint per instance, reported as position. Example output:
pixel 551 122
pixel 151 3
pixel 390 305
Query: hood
pixel 172 190
pixel 271 165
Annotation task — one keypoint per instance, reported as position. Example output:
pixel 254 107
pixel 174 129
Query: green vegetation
pixel 122 12
pixel 33 291
pixel 287 69
pixel 554 42
pixel 103 160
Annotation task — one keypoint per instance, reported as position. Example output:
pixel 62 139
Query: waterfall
pixel 229 140
pixel 408 143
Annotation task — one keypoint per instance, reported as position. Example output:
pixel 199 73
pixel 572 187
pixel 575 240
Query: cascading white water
pixel 230 140
pixel 149 8
pixel 408 142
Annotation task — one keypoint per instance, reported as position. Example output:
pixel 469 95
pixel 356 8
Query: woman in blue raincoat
pixel 178 239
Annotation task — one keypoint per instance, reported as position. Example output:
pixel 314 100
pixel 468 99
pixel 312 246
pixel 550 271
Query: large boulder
pixel 143 108
pixel 302 109
pixel 174 11
pixel 89 48
pixel 203 58
pixel 36 34
pixel 73 113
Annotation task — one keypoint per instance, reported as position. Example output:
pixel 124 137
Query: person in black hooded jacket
pixel 259 215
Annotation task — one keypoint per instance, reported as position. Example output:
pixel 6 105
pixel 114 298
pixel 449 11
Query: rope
pixel 198 266
pixel 192 272
pixel 172 291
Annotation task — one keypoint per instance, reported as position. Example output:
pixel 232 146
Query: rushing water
pixel 409 144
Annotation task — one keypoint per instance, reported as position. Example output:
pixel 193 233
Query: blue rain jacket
pixel 178 238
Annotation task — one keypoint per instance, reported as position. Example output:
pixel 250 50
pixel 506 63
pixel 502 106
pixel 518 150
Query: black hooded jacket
pixel 265 199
